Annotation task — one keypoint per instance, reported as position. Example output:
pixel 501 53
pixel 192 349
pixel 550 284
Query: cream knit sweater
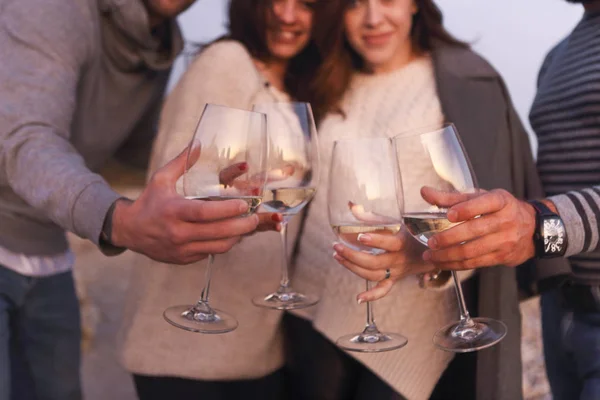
pixel 223 74
pixel 377 105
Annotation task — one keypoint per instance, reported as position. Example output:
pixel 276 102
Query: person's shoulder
pixel 225 53
pixel 464 61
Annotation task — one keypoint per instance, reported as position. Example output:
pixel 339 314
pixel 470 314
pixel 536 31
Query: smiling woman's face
pixel 379 31
pixel 289 25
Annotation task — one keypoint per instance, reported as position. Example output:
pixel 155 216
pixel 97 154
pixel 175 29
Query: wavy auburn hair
pixel 248 25
pixel 341 60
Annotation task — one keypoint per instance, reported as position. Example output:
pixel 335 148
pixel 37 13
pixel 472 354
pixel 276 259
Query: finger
pixel 197 251
pixel 466 231
pixel 368 274
pixel 387 242
pixel 205 211
pixel 444 199
pixel 228 174
pixel 377 292
pixel 364 260
pixel 487 203
pixel 188 232
pixel 172 171
pixel 269 222
pixel 488 260
pixel 474 249
pixel 359 212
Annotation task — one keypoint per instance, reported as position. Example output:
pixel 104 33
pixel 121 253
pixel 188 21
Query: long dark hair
pixel 334 75
pixel 248 25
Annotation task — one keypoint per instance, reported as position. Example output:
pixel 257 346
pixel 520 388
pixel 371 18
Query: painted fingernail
pixel 363 237
pixel 338 247
pixel 432 243
pixel 427 256
pixel 360 301
pixel 452 215
pixel 276 218
pixel 243 166
pixel 335 254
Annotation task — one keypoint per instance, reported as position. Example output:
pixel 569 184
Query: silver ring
pixel 388 273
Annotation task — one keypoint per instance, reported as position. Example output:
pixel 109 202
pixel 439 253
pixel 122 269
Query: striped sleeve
pixel 580 211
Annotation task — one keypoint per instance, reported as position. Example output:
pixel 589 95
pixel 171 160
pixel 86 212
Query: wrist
pixel 118 220
pixel 550 205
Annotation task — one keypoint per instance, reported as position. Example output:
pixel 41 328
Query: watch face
pixel 554 235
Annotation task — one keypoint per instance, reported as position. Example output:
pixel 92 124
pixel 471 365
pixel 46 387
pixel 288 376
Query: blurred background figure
pixel 399 69
pixel 267 55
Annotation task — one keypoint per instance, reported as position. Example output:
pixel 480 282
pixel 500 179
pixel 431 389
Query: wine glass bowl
pixel 292 181
pixel 365 196
pixel 227 159
pixel 434 157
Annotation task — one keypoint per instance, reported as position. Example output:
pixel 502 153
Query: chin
pixel 285 52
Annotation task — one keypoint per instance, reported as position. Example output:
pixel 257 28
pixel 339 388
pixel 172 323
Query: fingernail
pixel 243 166
pixel 338 247
pixel 432 243
pixel 335 254
pixel 452 215
pixel 360 301
pixel 363 237
pixel 427 256
pixel 276 218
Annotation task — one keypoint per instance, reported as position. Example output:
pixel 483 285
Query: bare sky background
pixel 514 35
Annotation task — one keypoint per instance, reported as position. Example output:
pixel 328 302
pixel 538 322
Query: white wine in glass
pixel 365 196
pixel 435 157
pixel 291 184
pixel 226 160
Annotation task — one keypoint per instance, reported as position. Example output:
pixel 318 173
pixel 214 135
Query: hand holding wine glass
pixel 435 158
pixel 226 160
pixel 365 199
pixel 402 257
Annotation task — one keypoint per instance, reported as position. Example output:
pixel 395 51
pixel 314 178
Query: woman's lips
pixel 378 39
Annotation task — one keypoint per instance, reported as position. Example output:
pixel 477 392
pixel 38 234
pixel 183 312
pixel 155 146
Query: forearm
pixel 47 172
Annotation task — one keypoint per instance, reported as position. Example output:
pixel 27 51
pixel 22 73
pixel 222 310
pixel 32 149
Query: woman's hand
pixel 403 257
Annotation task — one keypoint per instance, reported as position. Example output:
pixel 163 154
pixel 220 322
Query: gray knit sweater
pixel 80 81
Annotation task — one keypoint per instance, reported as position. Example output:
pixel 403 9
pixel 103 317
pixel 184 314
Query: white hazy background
pixel 514 35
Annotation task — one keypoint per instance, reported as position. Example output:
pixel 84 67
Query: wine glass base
pixel 182 317
pixel 485 333
pixel 372 342
pixel 285 300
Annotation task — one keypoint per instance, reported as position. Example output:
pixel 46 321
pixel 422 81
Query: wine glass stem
pixel 285 278
pixel 207 279
pixel 370 327
pixel 465 318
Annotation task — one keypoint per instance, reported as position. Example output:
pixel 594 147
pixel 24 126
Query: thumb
pixel 442 198
pixel 174 169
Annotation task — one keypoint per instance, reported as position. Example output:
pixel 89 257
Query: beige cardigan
pixel 224 74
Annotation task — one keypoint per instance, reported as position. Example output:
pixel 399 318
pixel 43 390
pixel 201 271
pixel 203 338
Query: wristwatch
pixel 550 237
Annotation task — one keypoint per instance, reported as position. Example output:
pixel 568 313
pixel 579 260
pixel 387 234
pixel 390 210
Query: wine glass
pixel 226 160
pixel 365 196
pixel 435 157
pixel 292 182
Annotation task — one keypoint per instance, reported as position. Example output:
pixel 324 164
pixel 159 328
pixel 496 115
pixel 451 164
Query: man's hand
pixel 169 228
pixel 497 230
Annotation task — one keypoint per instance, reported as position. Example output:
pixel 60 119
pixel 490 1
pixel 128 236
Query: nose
pixel 374 13
pixel 285 10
